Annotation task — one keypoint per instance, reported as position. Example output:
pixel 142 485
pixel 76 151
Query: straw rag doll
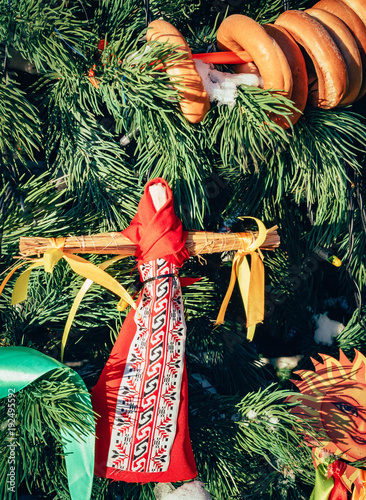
pixel 141 396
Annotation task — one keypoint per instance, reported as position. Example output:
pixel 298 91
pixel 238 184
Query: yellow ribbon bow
pixel 79 265
pixel 251 281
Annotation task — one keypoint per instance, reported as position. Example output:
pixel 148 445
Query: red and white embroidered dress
pixel 142 393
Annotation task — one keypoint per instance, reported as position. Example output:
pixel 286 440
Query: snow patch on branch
pixel 223 87
pixel 189 491
pixel 326 329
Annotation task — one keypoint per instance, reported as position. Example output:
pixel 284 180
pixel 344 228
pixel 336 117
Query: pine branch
pixel 197 298
pixel 131 79
pixel 352 250
pixel 41 410
pixel 226 359
pixel 44 32
pixel 32 207
pixel 111 17
pixel 92 166
pixel 20 134
pixel 263 11
pixel 145 108
pixel 245 135
pixel 354 335
pixel 220 463
pixel 326 143
pixel 264 414
pixel 312 171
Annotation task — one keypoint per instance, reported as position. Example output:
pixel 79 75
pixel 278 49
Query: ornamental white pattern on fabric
pixel 149 395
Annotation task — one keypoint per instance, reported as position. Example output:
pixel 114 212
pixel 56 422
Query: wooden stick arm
pixel 197 243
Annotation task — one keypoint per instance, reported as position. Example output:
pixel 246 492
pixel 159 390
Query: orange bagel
pixel 356 27
pixel 297 65
pixel 330 67
pixel 358 6
pixel 194 101
pixel 348 47
pixel 238 32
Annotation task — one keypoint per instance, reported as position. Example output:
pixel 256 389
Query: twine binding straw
pixel 197 243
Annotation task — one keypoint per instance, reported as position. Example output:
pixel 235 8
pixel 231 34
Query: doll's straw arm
pixel 197 243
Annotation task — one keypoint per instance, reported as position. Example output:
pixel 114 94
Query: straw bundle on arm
pixel 197 243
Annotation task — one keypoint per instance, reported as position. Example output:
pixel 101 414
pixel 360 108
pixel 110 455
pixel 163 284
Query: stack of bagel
pixel 316 56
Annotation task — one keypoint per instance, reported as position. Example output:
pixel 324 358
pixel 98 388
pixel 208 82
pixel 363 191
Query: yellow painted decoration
pixel 359 491
pixel 332 398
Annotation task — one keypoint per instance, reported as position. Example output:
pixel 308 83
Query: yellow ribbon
pixel 251 281
pixel 10 274
pixel 122 304
pixel 79 265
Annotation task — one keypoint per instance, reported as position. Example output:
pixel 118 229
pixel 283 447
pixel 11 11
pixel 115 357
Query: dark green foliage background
pixel 74 160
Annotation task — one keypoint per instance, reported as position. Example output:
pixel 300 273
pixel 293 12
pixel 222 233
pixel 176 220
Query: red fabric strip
pixel 339 491
pixel 157 234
